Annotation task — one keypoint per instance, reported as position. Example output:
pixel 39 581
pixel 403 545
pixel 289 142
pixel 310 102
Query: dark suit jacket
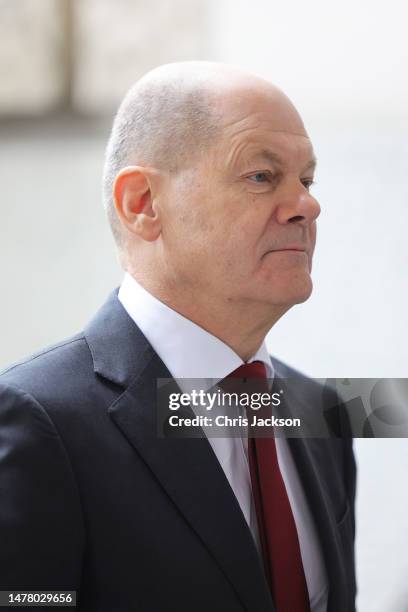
pixel 93 500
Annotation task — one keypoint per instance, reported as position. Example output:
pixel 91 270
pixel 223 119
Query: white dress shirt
pixel 188 351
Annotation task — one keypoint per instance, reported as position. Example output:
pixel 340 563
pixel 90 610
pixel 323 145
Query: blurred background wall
pixel 65 64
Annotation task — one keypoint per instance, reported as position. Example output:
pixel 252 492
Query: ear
pixel 133 195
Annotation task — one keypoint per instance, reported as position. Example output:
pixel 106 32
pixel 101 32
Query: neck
pixel 242 326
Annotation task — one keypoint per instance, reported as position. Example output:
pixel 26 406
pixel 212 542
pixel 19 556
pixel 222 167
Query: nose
pixel 297 206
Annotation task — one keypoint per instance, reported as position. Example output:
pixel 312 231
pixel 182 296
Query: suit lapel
pixel 308 454
pixel 186 468
pixel 305 453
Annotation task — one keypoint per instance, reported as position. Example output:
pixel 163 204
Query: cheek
pixel 216 232
pixel 194 238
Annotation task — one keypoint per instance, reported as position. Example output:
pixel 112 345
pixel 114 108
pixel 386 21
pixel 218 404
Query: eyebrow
pixel 275 158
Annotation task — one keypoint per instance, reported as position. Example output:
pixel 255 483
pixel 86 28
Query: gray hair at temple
pixel 166 120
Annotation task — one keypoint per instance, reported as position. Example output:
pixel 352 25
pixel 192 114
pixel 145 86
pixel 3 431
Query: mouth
pixel 288 249
pixel 297 250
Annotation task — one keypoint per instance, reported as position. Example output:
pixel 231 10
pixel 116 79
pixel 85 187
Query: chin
pixel 292 291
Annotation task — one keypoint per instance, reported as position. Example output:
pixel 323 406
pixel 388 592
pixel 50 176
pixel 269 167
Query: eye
pixel 307 183
pixel 259 177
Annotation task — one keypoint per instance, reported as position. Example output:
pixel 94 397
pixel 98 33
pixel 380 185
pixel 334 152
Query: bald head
pixel 172 115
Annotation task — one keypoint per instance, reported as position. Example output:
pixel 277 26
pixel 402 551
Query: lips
pixel 299 248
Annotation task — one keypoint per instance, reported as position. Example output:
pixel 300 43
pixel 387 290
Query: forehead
pixel 264 127
pixel 282 149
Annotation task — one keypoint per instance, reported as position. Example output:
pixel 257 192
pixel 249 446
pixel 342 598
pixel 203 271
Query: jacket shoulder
pixel 53 366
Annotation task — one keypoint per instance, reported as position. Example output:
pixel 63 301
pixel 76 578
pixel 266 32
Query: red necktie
pixel 276 525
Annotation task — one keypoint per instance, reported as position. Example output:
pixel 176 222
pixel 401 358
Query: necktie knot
pixel 249 378
pixel 255 369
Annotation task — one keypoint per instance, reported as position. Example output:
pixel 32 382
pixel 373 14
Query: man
pixel 207 189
